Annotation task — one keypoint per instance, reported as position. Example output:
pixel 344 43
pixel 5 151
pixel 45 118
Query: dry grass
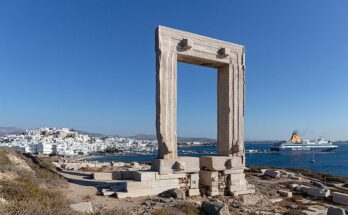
pixel 181 208
pixel 294 212
pixel 163 211
pixel 25 196
pixel 28 194
pixel 45 172
pixel 5 163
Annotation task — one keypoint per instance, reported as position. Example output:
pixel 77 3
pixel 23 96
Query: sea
pixel 333 163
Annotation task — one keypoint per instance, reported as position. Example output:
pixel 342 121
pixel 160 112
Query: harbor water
pixel 334 163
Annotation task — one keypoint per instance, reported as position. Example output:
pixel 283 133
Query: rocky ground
pixel 29 185
pixel 266 200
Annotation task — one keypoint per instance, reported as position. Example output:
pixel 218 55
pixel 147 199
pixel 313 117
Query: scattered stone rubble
pixel 285 193
pixel 84 207
pixel 272 173
pixel 76 165
pixel 336 211
pixel 215 208
pixel 173 193
pixel 280 173
pixel 279 195
pixel 340 198
pixel 316 190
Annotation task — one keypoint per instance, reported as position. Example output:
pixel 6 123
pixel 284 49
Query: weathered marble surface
pixel 228 58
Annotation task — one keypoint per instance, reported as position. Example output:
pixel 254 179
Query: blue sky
pixel 90 65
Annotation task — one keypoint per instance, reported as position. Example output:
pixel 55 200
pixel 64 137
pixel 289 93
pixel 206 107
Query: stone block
pixel 213 189
pixel 165 182
pixel 213 193
pixel 263 171
pixel 237 177
pixel 107 192
pixel 335 211
pixel 235 163
pixel 318 184
pixel 276 200
pixel 294 177
pixel 291 175
pixel 144 191
pixel 340 198
pixel 194 192
pixel 243 192
pixel 316 192
pixel 145 176
pixel 83 207
pixel 178 165
pixel 235 188
pixel 170 176
pixel 219 163
pixel 71 166
pixel 285 193
pixel 102 176
pixel 284 173
pixel 233 171
pixel 128 174
pixel 239 182
pixel 299 188
pixel 175 193
pixel 208 178
pixel 135 185
pixel 272 173
pixel 194 181
pixel 294 186
pixel 216 208
pixel 116 175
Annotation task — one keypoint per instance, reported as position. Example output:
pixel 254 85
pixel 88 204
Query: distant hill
pixel 10 130
pixel 341 142
pixel 262 141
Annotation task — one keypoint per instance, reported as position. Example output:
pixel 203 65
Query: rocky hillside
pixel 29 186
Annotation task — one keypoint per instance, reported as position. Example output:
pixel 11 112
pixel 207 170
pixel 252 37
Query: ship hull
pixel 304 148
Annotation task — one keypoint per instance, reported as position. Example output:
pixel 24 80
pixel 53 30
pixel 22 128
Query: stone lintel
pixel 200 50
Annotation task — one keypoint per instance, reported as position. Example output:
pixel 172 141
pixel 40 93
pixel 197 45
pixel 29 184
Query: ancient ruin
pixel 214 175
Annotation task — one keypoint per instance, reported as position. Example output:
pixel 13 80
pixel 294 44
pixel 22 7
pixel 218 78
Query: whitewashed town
pixel 68 142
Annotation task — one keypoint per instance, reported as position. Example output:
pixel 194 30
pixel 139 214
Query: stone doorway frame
pixel 229 59
pixel 210 175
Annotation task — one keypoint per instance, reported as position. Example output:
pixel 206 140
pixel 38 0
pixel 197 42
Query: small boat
pixel 297 144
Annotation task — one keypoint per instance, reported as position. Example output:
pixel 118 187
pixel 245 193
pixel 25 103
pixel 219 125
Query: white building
pixel 44 148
